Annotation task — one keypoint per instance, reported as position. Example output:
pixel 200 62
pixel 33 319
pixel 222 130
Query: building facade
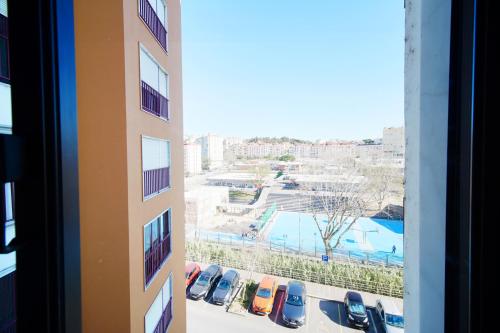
pixel 393 141
pixel 128 68
pixel 192 159
pixel 212 150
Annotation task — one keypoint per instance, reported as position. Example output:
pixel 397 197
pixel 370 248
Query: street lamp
pixel 314 244
pixel 284 241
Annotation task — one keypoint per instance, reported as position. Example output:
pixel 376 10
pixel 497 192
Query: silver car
pixel 390 315
pixel 226 287
pixel 294 310
pixel 205 282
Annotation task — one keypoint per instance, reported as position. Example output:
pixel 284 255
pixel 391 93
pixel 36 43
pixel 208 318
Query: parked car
pixel 205 282
pixel 390 315
pixel 226 287
pixel 294 310
pixel 355 309
pixel 264 297
pixel 192 271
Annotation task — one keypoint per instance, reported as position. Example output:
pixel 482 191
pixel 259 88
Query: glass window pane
pixel 149 70
pixel 147 237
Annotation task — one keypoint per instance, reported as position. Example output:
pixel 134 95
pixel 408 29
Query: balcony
pixel 156 180
pixel 155 257
pixel 153 102
pixel 154 24
pixel 166 318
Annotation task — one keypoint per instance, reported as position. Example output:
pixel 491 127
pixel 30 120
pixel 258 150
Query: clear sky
pixel 309 69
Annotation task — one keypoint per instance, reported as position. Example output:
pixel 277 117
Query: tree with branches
pixel 342 202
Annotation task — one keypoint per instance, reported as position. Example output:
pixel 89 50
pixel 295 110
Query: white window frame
pixel 145 198
pixel 170 280
pixel 160 69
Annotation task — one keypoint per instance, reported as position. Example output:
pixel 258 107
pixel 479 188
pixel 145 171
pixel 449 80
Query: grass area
pixel 248 292
pixel 241 195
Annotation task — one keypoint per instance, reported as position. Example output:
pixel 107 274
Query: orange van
pixel 264 297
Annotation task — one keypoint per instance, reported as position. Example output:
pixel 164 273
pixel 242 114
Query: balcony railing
pixel 149 17
pixel 166 318
pixel 153 102
pixel 156 180
pixel 165 248
pixel 156 256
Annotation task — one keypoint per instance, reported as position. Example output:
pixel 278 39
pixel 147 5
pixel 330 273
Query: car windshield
pixel 224 285
pixel 294 300
pixel 203 280
pixel 357 308
pixel 264 292
pixel 394 320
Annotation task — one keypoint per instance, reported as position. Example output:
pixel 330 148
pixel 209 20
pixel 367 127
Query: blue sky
pixel 315 69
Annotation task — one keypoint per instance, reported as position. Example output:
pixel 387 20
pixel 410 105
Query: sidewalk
pixel 320 291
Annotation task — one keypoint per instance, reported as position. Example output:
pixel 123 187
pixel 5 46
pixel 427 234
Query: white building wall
pixel 192 159
pixel 212 149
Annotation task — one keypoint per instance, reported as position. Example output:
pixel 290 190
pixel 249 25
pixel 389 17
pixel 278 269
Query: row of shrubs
pixel 380 280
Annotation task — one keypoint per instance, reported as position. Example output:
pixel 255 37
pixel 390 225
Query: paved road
pixel 323 316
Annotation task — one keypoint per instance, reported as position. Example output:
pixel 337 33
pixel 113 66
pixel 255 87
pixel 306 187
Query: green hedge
pixel 375 279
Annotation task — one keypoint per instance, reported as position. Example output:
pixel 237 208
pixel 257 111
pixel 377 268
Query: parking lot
pixel 323 315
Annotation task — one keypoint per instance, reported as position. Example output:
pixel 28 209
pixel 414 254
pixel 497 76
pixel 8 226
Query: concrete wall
pixel 426 119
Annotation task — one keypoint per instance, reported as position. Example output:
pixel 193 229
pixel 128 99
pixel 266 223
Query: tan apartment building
pixel 129 91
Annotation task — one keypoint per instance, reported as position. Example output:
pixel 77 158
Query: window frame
pixel 170 187
pixel 159 217
pixel 143 48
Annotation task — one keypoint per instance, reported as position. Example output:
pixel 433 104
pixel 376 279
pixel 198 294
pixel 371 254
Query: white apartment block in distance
pixel 393 142
pixel 212 150
pixel 192 159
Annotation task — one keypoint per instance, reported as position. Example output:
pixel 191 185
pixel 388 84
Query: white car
pixel 390 315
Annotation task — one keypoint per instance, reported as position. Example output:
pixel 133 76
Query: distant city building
pixel 192 158
pixel 369 152
pixel 393 141
pixel 230 141
pixel 212 150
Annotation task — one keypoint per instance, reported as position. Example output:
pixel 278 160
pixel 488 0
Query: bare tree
pixel 342 201
pixel 383 181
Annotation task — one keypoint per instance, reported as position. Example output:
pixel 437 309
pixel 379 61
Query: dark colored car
pixel 294 310
pixel 205 282
pixel 226 287
pixel 356 310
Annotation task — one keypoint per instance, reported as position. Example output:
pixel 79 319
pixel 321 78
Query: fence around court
pixel 320 277
pixel 360 257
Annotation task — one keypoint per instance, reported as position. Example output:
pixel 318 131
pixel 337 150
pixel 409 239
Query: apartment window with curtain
pixel 155 166
pixel 154 15
pixel 157 244
pixel 159 315
pixel 154 86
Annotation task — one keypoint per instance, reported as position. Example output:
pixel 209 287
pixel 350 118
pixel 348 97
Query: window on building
pixel 154 14
pixel 157 244
pixel 154 86
pixel 4 43
pixel 159 315
pixel 155 166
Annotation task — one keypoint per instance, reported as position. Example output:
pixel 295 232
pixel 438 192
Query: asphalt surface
pixel 322 316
